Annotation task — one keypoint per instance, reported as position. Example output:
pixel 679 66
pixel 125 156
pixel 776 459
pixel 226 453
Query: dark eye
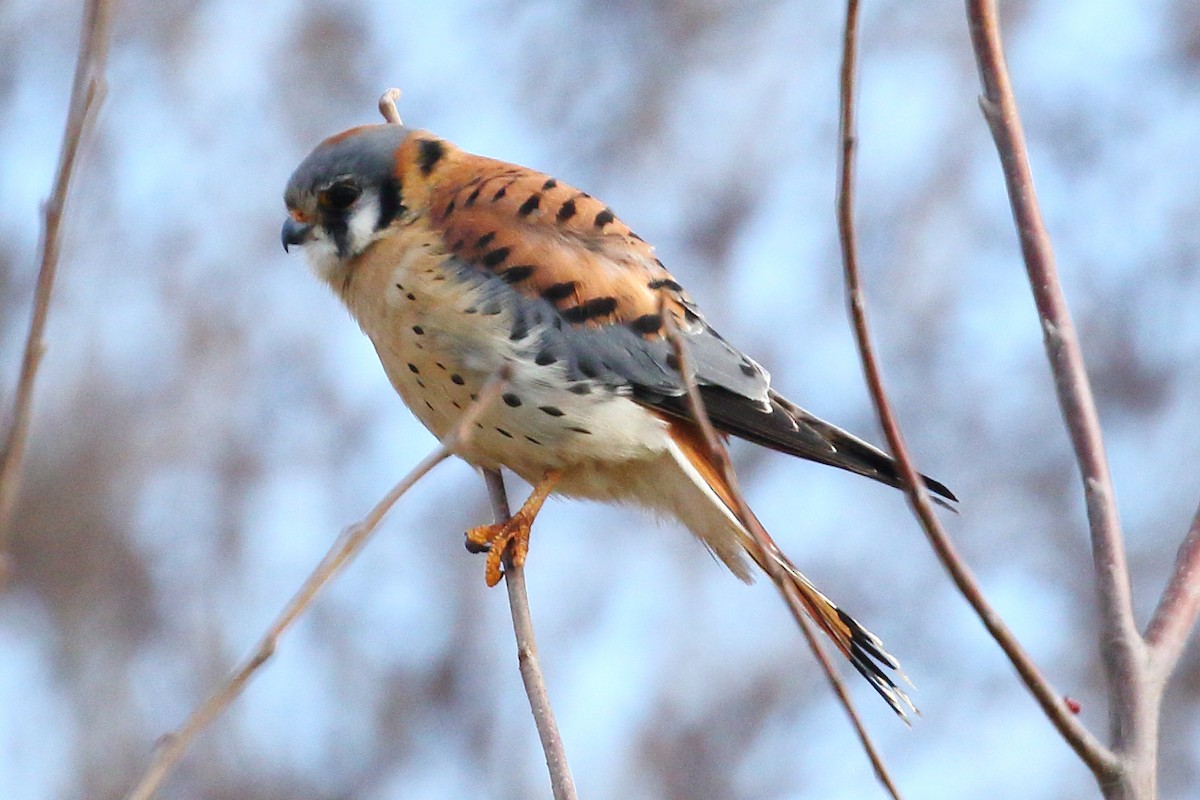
pixel 340 195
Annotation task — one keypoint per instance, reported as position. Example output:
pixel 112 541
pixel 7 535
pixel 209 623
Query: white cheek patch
pixel 360 228
pixel 322 251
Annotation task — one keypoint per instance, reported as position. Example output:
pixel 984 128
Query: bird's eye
pixel 340 195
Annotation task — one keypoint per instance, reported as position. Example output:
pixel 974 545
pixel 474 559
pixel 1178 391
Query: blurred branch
pixel 766 547
pixel 1175 616
pixel 561 782
pixel 87 93
pixel 1085 744
pixel 173 745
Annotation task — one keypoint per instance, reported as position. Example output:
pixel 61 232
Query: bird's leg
pixel 496 538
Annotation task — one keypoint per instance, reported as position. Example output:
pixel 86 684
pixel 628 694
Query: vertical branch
pixel 1099 759
pixel 1120 642
pixel 1175 615
pixel 561 783
pixel 766 546
pixel 87 92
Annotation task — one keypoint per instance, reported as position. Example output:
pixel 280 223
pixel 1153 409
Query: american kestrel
pixel 455 264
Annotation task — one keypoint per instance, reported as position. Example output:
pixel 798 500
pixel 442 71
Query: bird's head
pixel 345 195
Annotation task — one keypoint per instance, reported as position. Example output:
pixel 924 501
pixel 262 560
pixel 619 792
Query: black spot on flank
pixel 647 323
pixel 553 411
pixel 400 287
pixel 503 190
pixel 548 185
pixel 559 291
pixel 517 274
pixel 472 197
pixel 411 296
pixel 511 400
pixel 604 218
pixel 430 153
pixel 470 310
pixel 565 211
pixel 578 430
pixel 457 379
pixel 545 358
pixel 474 396
pixel 485 240
pixel 456 405
pixel 389 202
pixel 503 432
pixel 530 205
pixel 673 361
pixel 520 328
pixel 440 365
pixel 494 258
pixel 664 283
pixel 450 207
pixel 413 369
pixel 531 439
pixel 589 368
pixel 748 370
pixel 420 383
pixel 580 388
pixel 591 309
pixel 418 330
pixel 491 309
pixel 428 405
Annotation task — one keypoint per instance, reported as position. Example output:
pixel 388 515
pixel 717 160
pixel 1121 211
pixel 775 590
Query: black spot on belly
pixel 580 388
pixel 457 379
pixel 418 330
pixel 553 411
pixel 411 296
pixel 578 430
pixel 413 369
pixel 511 400
pixel 503 432
pixel 531 439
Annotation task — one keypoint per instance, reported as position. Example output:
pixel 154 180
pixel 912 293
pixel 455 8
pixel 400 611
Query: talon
pixel 496 539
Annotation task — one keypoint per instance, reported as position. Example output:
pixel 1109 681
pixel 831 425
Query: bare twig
pixel 1122 646
pixel 1175 616
pixel 766 548
pixel 87 93
pixel 561 783
pixel 172 746
pixel 387 107
pixel 1085 744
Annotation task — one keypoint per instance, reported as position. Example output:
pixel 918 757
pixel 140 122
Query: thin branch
pixel 172 747
pixel 1175 616
pixel 87 93
pixel 1101 761
pixel 561 783
pixel 766 548
pixel 1120 642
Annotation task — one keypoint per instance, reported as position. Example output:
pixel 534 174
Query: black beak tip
pixel 293 232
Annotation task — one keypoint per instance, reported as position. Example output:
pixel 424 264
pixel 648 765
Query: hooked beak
pixel 294 233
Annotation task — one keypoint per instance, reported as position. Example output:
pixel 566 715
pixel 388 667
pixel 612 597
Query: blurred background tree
pixel 208 418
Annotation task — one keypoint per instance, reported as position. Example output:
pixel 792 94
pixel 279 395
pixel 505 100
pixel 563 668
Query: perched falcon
pixel 455 264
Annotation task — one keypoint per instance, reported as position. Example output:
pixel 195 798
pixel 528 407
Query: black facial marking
pixel 494 258
pixel 457 379
pixel 485 240
pixel 664 283
pixel 511 400
pixel 591 309
pixel 548 185
pixel 389 202
pixel 603 218
pixel 530 205
pixel 553 411
pixel 431 152
pixel 559 291
pixel 647 323
pixel 517 274
pixel 566 211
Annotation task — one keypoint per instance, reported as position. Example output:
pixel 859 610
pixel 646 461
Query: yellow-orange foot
pixel 495 539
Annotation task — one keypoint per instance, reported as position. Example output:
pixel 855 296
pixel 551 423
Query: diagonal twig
pixel 561 783
pixel 87 93
pixel 173 746
pixel 766 547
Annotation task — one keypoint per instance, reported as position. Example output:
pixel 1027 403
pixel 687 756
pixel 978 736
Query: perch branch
pixel 561 783
pixel 172 747
pixel 1084 743
pixel 87 93
pixel 1120 642
pixel 1175 616
pixel 766 547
